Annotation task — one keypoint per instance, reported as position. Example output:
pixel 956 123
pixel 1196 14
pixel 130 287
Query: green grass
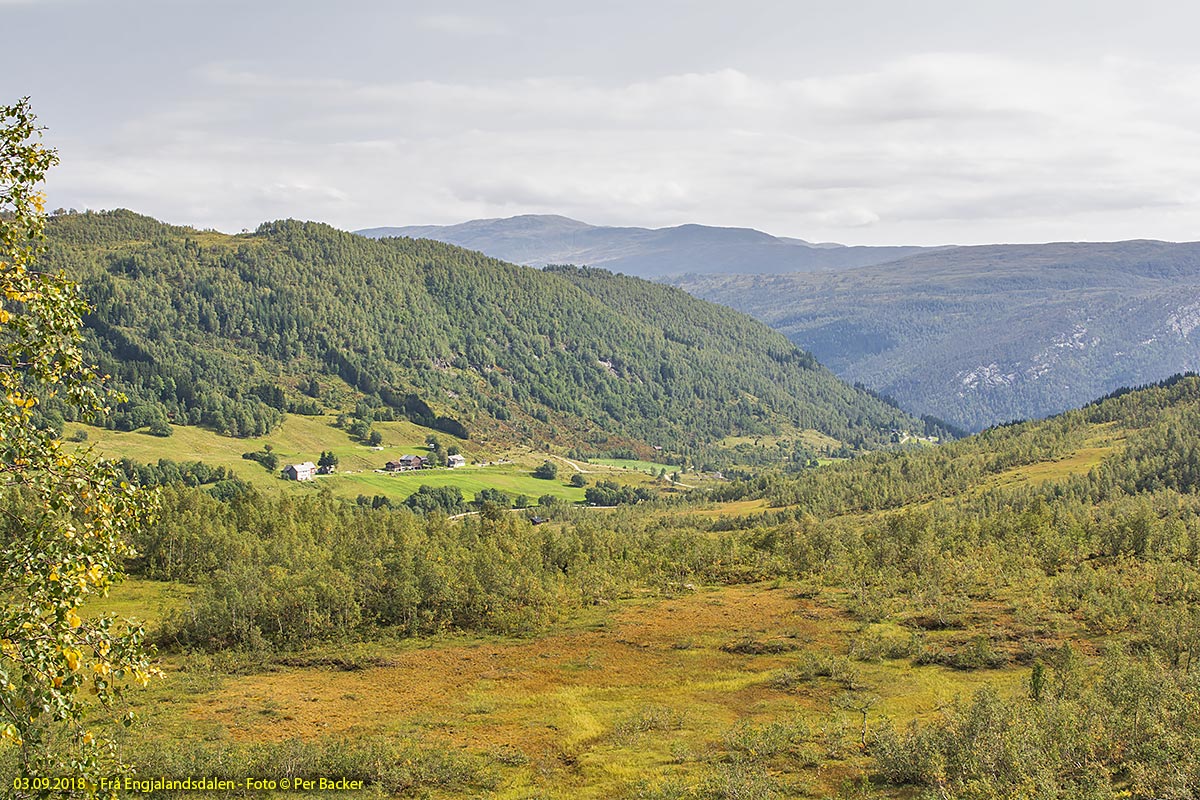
pixel 304 438
pixel 633 464
pixel 511 479
pixel 789 435
pixel 298 439
pixel 146 601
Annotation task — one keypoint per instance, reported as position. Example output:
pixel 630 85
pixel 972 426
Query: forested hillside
pixel 980 335
pixel 231 332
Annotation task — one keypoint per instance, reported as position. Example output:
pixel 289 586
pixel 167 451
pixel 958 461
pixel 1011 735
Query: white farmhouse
pixel 300 472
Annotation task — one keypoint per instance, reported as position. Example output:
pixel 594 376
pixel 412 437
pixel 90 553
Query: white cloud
pixel 929 148
pixel 462 25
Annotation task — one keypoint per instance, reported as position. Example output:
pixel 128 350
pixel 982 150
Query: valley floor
pixel 1012 615
pixel 643 698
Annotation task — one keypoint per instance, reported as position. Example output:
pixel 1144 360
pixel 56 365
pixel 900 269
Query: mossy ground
pixel 648 692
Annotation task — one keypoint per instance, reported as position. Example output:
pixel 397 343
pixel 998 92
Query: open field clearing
pixel 734 508
pixel 299 438
pixel 145 601
pixel 790 434
pixel 633 464
pixel 651 692
pixel 511 479
pixel 1106 441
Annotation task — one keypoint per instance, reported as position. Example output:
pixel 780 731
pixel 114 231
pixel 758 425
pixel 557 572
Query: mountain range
pixel 981 335
pixel 539 240
pixel 973 335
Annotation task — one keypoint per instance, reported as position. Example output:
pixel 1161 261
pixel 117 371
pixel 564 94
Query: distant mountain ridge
pixel 973 335
pixel 539 240
pixel 986 334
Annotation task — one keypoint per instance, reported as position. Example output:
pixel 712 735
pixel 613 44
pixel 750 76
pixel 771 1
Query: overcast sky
pixel 859 122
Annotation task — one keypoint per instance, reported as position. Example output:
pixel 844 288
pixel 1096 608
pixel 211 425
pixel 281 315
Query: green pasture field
pixel 633 464
pixel 298 439
pixel 511 479
pixel 302 438
pixel 146 601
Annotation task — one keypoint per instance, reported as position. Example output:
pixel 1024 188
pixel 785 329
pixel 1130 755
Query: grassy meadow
pixel 638 465
pixel 644 698
pixel 303 438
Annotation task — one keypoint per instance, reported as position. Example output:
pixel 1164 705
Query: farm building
pixel 406 463
pixel 300 472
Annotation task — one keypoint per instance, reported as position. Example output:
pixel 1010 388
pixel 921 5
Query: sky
pixel 862 121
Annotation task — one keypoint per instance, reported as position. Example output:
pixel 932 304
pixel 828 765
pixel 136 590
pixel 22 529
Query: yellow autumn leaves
pixel 22 402
pixel 73 519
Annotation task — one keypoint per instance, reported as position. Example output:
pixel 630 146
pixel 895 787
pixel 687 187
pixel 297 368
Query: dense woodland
pixel 232 332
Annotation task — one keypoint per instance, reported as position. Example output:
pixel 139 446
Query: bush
pixel 750 646
pixel 269 460
pixel 875 647
pixel 548 471
pixel 978 653
pixel 447 499
pixel 650 718
pixel 753 742
pixel 491 496
pixel 160 427
pixel 809 666
pixel 610 493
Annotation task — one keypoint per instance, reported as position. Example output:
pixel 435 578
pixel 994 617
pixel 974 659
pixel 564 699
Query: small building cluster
pixel 307 470
pixel 406 463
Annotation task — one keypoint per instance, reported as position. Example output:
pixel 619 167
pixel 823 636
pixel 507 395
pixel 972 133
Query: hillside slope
pixel 980 335
pixel 538 240
pixel 892 622
pixel 229 331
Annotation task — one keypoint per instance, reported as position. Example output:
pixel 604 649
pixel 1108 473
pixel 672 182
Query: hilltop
pixel 972 335
pixel 231 332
